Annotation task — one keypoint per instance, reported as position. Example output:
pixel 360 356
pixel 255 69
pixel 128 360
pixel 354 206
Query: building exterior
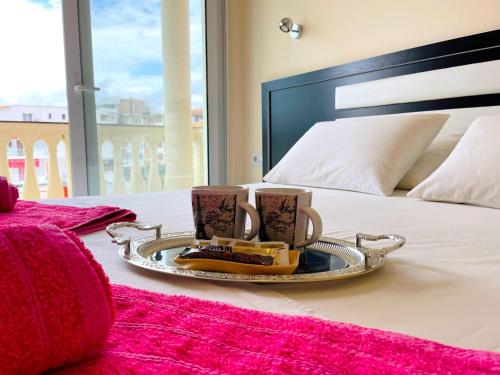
pixel 131 113
pixel 15 149
pixel 33 113
pixel 197 114
pixel 108 112
pixel 126 112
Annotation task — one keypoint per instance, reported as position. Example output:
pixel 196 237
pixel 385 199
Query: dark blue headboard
pixel 290 106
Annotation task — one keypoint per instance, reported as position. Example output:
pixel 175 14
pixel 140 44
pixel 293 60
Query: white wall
pixel 335 32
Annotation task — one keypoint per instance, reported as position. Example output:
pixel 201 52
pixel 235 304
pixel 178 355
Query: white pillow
pixel 471 174
pixel 366 154
pixel 431 159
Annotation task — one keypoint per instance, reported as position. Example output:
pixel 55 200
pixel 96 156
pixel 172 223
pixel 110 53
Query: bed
pixel 444 285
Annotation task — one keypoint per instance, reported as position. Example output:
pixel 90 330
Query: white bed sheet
pixel 444 285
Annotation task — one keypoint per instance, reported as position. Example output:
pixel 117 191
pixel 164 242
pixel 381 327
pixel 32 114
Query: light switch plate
pixel 257 159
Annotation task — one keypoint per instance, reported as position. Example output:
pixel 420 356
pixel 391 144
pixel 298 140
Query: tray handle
pixel 121 239
pixel 398 239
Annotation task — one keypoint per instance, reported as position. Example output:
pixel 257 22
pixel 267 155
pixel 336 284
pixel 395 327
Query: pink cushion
pixel 55 301
pixel 8 195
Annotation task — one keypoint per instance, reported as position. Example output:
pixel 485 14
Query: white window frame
pixel 78 152
pixel 216 90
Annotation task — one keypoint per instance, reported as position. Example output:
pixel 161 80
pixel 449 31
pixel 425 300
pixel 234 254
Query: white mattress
pixel 444 285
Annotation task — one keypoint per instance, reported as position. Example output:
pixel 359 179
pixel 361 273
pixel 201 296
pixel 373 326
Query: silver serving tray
pixel 342 259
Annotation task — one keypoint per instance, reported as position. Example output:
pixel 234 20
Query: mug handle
pixel 254 218
pixel 313 215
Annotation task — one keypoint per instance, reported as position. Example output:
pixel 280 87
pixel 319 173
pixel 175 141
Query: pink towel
pixel 55 300
pixel 77 219
pixel 159 334
pixel 8 195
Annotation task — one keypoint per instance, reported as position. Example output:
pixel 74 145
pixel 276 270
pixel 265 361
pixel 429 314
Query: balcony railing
pixel 137 163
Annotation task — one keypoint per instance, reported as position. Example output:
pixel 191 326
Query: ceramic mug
pixel 221 211
pixel 285 214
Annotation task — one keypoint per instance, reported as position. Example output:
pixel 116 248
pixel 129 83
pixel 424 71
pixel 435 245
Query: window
pixel 27 117
pixel 146 95
pixel 33 90
pixel 149 61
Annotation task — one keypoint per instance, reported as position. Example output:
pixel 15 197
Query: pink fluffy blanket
pixel 56 309
pixel 159 334
pixel 77 219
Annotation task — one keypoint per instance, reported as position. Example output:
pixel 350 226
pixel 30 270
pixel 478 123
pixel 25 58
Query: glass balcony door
pixel 141 94
pixel 110 96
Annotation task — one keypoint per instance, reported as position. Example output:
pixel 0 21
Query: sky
pixel 126 43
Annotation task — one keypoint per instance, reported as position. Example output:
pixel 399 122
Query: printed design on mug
pixel 214 215
pixel 278 214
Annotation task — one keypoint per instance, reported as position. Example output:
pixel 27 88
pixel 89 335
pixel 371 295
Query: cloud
pixel 126 36
pixel 127 48
pixel 33 56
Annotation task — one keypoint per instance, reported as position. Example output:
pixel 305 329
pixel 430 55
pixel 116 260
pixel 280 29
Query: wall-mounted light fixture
pixel 287 26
